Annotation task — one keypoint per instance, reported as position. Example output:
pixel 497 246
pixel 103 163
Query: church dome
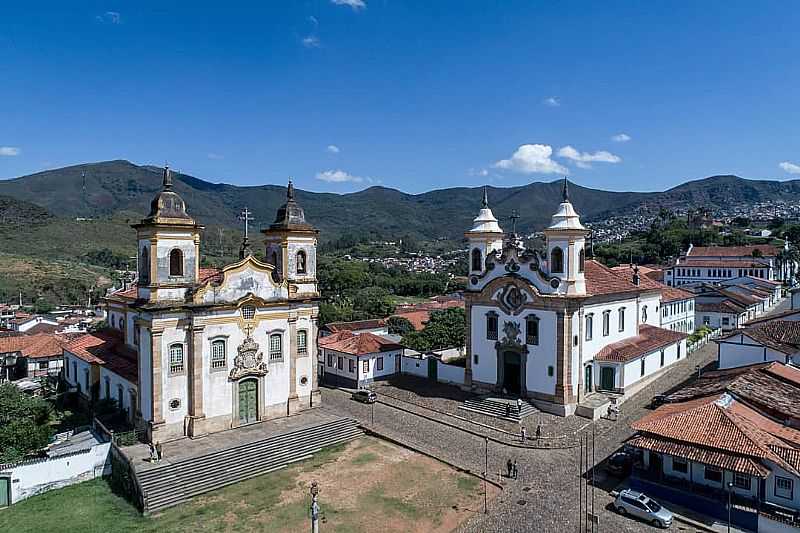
pixel 485 222
pixel 566 218
pixel 168 204
pixel 290 216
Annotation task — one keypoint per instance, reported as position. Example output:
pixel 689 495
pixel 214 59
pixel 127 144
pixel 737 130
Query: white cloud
pixel 532 158
pixel 112 17
pixel 338 176
pixel 312 41
pixel 212 155
pixel 791 168
pixel 552 101
pixel 332 149
pixel 584 159
pixel 621 138
pixel 355 4
pixel 9 150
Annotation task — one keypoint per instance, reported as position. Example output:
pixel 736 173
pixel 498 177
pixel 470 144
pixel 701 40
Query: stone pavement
pixel 545 496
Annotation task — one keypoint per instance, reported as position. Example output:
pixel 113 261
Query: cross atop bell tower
pixel 246 216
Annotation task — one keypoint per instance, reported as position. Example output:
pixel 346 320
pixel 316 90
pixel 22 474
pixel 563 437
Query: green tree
pixel 445 329
pixel 372 302
pixel 399 326
pixel 24 424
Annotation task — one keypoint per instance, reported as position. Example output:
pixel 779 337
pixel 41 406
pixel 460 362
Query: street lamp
pixel 730 490
pixel 314 507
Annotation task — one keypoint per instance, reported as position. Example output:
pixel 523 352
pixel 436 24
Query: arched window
pixel 275 347
pixel 176 358
pixel 477 263
pixel 218 358
pixel 557 260
pixel 301 262
pixel 144 267
pixel 581 260
pixel 175 262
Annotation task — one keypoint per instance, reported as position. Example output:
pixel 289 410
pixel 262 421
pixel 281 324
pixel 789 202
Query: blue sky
pixel 414 95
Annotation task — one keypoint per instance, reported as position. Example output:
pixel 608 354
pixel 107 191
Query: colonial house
pixel 355 361
pixel 677 305
pixel 733 437
pixel 376 326
pixel 214 349
pixel 554 326
pixel 707 264
pixel 36 355
pixel 771 340
pixel 721 307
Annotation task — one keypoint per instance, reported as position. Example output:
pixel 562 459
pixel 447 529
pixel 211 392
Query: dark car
pixel 619 464
pixel 365 396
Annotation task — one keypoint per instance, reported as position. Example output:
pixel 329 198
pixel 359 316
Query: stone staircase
pixel 176 483
pixel 496 407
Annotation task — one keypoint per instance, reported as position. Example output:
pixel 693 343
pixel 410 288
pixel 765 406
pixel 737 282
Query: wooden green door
pixel 5 492
pixel 248 401
pixel 607 377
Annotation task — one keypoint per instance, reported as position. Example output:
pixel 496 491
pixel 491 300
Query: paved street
pixel 545 497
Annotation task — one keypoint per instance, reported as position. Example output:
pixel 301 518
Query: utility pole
pixel 486 473
pixel 314 507
pixel 580 486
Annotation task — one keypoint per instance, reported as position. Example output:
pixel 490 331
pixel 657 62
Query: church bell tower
pixel 168 247
pixel 484 237
pixel 566 241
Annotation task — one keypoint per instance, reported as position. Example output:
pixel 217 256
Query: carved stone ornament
pixel 512 299
pixel 249 361
pixel 512 339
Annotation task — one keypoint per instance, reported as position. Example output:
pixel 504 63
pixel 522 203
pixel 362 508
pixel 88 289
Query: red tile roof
pixel 649 339
pixel 209 274
pixel 674 294
pixel 357 325
pixel 33 346
pixel 725 306
pixel 733 251
pixel 600 280
pixel 781 335
pixel 729 263
pixel 418 319
pixel 361 344
pixel 107 348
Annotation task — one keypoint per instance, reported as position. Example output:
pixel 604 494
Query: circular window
pixel 174 404
pixel 303 380
pixel 555 282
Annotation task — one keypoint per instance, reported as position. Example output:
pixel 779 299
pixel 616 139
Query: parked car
pixel 365 396
pixel 619 464
pixel 642 506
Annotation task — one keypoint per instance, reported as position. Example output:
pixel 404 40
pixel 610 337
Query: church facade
pixel 553 326
pixel 217 348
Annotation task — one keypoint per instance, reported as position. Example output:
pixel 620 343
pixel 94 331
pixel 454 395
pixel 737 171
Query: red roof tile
pixel 357 325
pixel 362 344
pixel 209 274
pixel 107 348
pixel 33 346
pixel 721 263
pixel 600 280
pixel 733 251
pixel 418 319
pixel 649 339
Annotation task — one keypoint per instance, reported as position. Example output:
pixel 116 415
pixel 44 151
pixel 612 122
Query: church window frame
pixel 582 260
pixel 557 260
pixel 550 371
pixel 589 326
pixel 379 364
pixel 176 266
pixel 606 323
pixel 351 366
pixel 621 319
pixel 330 360
pixel 302 342
pixel 219 354
pixel 532 330
pixel 176 359
pixel 144 266
pixel 492 321
pixel 248 312
pixel 275 347
pixel 477 259
pixel 301 262
pixel 475 359
pixel 365 366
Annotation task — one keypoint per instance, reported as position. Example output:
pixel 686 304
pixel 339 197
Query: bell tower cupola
pixel 566 241
pixel 291 247
pixel 168 247
pixel 485 237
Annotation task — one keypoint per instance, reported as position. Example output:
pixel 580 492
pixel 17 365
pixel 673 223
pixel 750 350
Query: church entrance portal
pixel 248 401
pixel 511 372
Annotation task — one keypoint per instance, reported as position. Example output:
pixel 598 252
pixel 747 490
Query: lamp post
pixel 730 490
pixel 314 507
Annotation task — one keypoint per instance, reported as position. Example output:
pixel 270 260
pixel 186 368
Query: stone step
pixel 178 482
pixel 498 409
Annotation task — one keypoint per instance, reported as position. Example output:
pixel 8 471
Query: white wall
pixel 678 316
pixel 114 382
pixel 633 369
pixel 414 366
pixel 770 496
pixel 449 373
pixel 81 367
pixel 598 341
pixel 741 350
pixel 373 373
pixel 35 477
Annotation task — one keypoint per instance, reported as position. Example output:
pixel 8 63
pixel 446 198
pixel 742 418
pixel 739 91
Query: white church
pixel 554 326
pixel 193 350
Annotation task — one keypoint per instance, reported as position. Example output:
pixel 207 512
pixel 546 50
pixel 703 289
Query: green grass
pixel 364 458
pixel 467 483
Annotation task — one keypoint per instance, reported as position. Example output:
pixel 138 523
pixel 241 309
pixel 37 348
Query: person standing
pixel 509 467
pixel 516 471
pixel 523 434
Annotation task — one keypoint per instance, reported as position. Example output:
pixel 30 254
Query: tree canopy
pixel 24 424
pixel 445 329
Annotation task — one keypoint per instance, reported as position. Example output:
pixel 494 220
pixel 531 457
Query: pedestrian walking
pixel 158 451
pixel 523 434
pixel 509 467
pixel 519 405
pixel 538 431
pixel 516 472
pixel 153 455
pixel 508 410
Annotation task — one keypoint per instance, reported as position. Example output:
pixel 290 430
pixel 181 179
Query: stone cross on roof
pixel 514 217
pixel 246 216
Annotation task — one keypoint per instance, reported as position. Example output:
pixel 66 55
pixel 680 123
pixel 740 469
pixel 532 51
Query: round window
pixel 174 404
pixel 303 380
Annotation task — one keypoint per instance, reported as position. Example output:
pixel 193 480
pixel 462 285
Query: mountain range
pixel 122 191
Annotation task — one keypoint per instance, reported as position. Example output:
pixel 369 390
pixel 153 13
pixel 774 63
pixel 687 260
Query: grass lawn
pixel 366 485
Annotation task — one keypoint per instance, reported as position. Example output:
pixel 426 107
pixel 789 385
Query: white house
pixel 709 264
pixel 357 360
pixel 536 320
pixel 214 349
pixel 772 340
pixel 37 355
